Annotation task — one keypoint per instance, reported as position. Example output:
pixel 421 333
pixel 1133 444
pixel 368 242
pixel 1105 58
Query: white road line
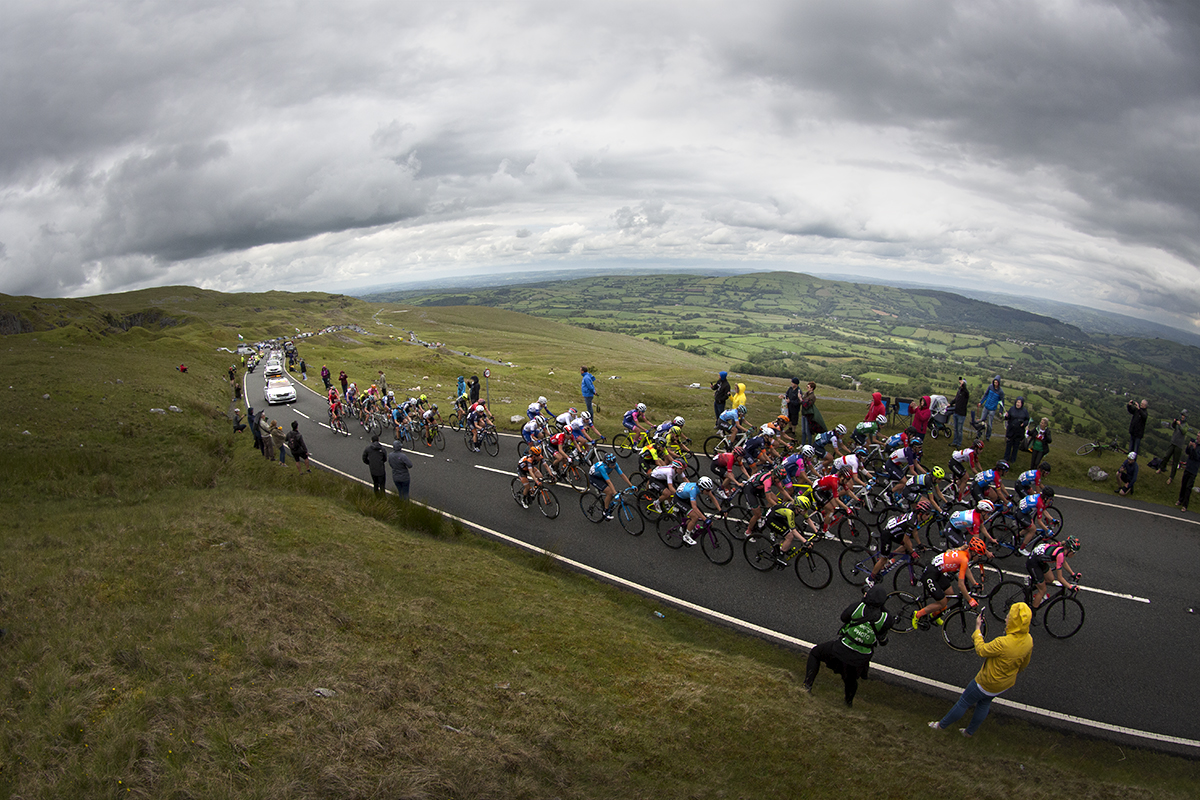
pixel 792 641
pixel 493 469
pixel 301 413
pixel 1133 597
pixel 1188 520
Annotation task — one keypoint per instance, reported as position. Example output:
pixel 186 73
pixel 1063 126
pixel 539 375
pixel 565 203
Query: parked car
pixel 279 390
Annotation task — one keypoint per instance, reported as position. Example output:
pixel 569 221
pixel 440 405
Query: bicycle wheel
pixel 855 564
pixel 1054 519
pixel 907 578
pixel 958 628
pixel 735 519
pixel 517 489
pixel 715 543
pixel 575 477
pixel 1008 537
pixel 904 605
pixel 813 569
pixel 1084 449
pixel 852 530
pixel 760 553
pixel 630 519
pixel 439 440
pixel 1063 617
pixel 712 445
pixel 691 466
pixel 592 505
pixel 491 443
pixel 623 445
pixel 454 422
pixel 1003 595
pixel 547 503
pixel 645 505
pixel 522 448
pixel 931 534
pixel 670 530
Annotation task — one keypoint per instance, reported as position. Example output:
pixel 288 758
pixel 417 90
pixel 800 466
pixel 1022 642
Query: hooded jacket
pixel 876 408
pixel 1006 655
pixel 739 398
pixel 994 395
pixel 921 415
pixel 721 388
pixel 1017 420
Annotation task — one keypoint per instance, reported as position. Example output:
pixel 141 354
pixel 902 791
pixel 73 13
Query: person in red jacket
pixel 876 408
pixel 921 415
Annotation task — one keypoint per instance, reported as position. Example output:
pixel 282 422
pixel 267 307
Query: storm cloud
pixel 1035 147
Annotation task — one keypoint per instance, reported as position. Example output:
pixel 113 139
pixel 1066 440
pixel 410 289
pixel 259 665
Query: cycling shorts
pixel 954 537
pixel 598 483
pixel 822 496
pixel 936 582
pixel 681 505
pixel 957 470
pixel 718 470
pixel 527 436
pixel 1036 569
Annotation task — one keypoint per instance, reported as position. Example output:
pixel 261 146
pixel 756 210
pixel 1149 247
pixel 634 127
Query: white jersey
pixel 849 462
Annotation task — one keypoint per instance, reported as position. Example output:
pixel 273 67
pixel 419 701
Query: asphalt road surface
pixel 1131 665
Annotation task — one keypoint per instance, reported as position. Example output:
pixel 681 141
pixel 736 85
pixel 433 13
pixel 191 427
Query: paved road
pixel 1131 665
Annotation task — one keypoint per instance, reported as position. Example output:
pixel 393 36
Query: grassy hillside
pixel 173 600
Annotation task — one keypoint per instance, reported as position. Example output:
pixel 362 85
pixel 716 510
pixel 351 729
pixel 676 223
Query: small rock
pixel 323 692
pixel 176 409
pixel 158 411
pixel 120 381
pixel 26 433
pixel 45 397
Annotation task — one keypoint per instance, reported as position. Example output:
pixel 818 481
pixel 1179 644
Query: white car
pixel 274 370
pixel 279 390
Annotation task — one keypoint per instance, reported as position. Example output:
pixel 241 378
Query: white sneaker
pixel 656 507
pixel 524 501
pixel 935 725
pixel 688 540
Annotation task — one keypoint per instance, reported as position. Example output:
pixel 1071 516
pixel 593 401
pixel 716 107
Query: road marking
pixel 493 469
pixel 1188 520
pixel 301 413
pixel 1133 597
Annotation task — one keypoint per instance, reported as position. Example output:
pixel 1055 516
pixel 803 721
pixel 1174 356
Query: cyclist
pixel 564 419
pixel 534 429
pixel 1030 481
pixel 989 484
pixel 761 487
pixel 903 529
pixel 666 476
pixel 753 448
pixel 923 486
pixel 1031 516
pixel 478 416
pixel 795 469
pixel 851 465
pixel 781 522
pixel 895 441
pixel 662 430
pixel 537 409
pixel 674 441
pixel 829 444
pixel 962 526
pixel 529 471
pixel 462 403
pixel 723 465
pixel 560 441
pixel 687 501
pixel 904 463
pixel 335 407
pixel 729 423
pixel 600 477
pixel 634 420
pixel 826 497
pixel 965 463
pixel 1051 557
pixel 582 428
pixel 652 455
pixel 866 433
pixel 937 578
pixel 431 419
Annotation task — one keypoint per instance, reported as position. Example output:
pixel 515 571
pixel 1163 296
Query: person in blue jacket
pixel 587 387
pixel 992 399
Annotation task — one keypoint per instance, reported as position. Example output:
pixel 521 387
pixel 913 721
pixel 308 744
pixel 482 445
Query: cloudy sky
pixel 1045 147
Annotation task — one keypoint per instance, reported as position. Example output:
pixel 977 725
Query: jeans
pixel 1012 447
pixel 805 434
pixel 1135 445
pixel 587 399
pixel 971 696
pixel 989 414
pixel 959 419
pixel 718 408
pixel 1185 488
pixel 283 453
pixel 402 489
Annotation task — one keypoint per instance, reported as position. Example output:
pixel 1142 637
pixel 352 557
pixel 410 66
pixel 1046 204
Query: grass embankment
pixel 173 600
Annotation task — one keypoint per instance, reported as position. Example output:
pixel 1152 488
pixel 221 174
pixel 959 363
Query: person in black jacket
pixel 1016 420
pixel 1137 425
pixel 1190 468
pixel 962 402
pixel 376 458
pixel 473 387
pixel 720 393
pixel 864 625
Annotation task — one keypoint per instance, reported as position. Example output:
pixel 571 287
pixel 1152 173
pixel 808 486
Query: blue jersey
pixel 963 520
pixel 753 447
pixel 1028 478
pixel 603 471
pixel 1029 504
pixel 985 478
pixel 895 440
pixel 824 439
pixel 727 418
pixel 688 491
pixel 792 464
pixel 665 428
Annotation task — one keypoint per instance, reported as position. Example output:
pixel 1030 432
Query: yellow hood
pixel 1019 616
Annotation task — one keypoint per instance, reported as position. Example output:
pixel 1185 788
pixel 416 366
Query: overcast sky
pixel 1048 147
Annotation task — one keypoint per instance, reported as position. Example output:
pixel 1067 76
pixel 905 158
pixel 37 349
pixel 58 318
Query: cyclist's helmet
pixel 585 416
pixel 1048 493
pixel 677 464
pixel 353 385
pixel 840 430
pixel 808 451
pixel 805 502
pixel 739 451
pixel 916 441
pixel 676 430
pixel 705 483
pixel 778 472
pixel 782 419
pixel 924 506
pixel 1002 466
pixel 535 451
pixel 985 506
pixel 1072 543
pixel 610 458
pixel 861 452
pixel 423 398
pixel 976 546
pixel 978 444
pixel 741 411
pixel 938 473
pixel 433 407
pixel 391 393
pixel 572 412
pixel 768 431
pixel 881 419
pixel 678 421
pixel 1043 467
pixel 641 407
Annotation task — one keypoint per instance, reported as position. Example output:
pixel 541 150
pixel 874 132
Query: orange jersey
pixel 952 561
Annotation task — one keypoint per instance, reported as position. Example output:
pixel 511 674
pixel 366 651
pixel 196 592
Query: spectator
pixel 587 387
pixel 232 372
pixel 473 385
pixel 344 381
pixel 1039 442
pixel 811 420
pixel 739 397
pixel 295 443
pixel 1127 475
pixel 238 425
pixel 921 415
pixel 1190 468
pixel 253 419
pixel 382 384
pixel 325 377
pixel 792 395
pixel 1175 450
pixel 992 400
pixel 400 464
pixel 303 370
pixel 1137 425
pixel 1016 420
pixel 1003 658
pixel 961 401
pixel 375 457
pixel 864 625
pixel 264 430
pixel 277 439
pixel 877 407
pixel 720 393
pixel 182 368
